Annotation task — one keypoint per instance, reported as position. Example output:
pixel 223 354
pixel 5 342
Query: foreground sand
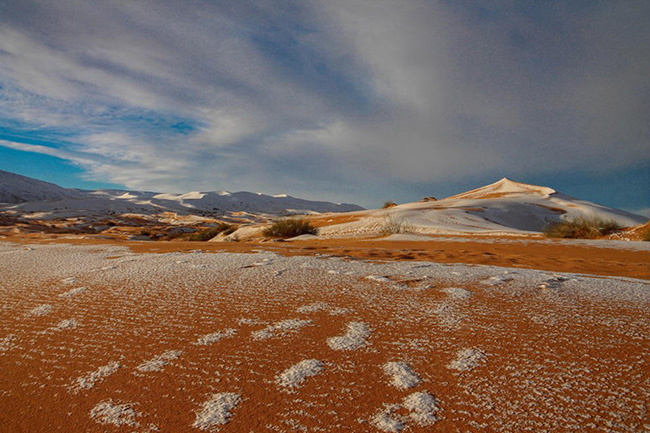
pixel 105 338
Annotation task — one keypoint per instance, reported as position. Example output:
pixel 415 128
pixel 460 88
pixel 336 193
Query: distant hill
pixel 502 207
pixel 15 188
pixel 22 195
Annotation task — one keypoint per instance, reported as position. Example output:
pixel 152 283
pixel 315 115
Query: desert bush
pixel 646 235
pixel 388 203
pixel 289 228
pixel 207 234
pixel 393 225
pixel 582 228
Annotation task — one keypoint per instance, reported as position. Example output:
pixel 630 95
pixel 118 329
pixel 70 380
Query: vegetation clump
pixel 646 235
pixel 393 225
pixel 389 203
pixel 207 234
pixel 582 228
pixel 289 228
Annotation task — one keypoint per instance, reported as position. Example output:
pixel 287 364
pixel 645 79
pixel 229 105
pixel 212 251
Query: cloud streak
pixel 332 100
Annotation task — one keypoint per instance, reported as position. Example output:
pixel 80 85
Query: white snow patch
pixel 41 310
pixel 355 337
pixel 158 362
pixel 216 411
pixel 89 381
pixel 313 308
pixel 322 306
pixel 402 375
pixel 457 292
pixel 467 359
pixel 66 324
pixel 208 339
pixel 385 422
pixel 423 407
pixel 280 328
pixel 378 278
pixel 73 292
pixel 108 412
pixel 294 376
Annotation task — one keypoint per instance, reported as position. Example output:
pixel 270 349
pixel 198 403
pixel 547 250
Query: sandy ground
pixel 97 338
pixel 611 258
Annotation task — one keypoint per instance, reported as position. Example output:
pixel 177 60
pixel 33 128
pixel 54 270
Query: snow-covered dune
pixel 504 207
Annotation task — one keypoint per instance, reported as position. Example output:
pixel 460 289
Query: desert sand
pixel 447 335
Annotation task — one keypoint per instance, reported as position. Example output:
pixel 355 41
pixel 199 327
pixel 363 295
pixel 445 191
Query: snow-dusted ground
pixel 472 348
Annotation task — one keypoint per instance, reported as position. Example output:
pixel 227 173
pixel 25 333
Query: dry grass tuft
pixel 289 228
pixel 206 235
pixel 582 228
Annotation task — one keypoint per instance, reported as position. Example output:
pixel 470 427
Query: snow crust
pixel 295 376
pixel 402 375
pixel 355 337
pixel 108 412
pixel 467 359
pixel 217 410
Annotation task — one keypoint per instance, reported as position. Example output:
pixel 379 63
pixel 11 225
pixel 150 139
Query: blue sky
pixel 342 100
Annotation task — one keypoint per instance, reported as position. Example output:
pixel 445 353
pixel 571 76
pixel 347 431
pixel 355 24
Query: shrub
pixel 646 235
pixel 207 234
pixel 289 228
pixel 582 228
pixel 388 203
pixel 393 226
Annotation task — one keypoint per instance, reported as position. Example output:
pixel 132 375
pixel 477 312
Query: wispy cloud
pixel 323 98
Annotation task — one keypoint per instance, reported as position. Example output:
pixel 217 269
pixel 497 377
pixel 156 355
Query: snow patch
pixel 89 381
pixel 108 412
pixel 280 329
pixel 41 310
pixel 423 407
pixel 467 359
pixel 208 339
pixel 457 292
pixel 216 411
pixel 158 362
pixel 294 376
pixel 402 375
pixel 355 337
pixel 66 324
pixel 73 292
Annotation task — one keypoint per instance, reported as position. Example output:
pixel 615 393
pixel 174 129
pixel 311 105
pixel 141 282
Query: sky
pixel 357 101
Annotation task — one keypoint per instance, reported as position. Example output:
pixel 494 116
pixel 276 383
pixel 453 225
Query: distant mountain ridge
pixel 27 195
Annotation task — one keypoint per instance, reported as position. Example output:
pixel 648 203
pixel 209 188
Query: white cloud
pixel 324 97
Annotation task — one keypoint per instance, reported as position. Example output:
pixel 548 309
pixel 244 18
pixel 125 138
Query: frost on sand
pixel 216 411
pixel 355 337
pixel 279 329
pixel 423 409
pixel 88 381
pixel 108 412
pixel 73 292
pixel 294 376
pixel 467 359
pixel 208 339
pixel 402 375
pixel 41 310
pixel 158 362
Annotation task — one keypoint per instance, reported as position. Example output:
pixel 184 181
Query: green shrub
pixel 582 228
pixel 289 228
pixel 207 234
pixel 388 203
